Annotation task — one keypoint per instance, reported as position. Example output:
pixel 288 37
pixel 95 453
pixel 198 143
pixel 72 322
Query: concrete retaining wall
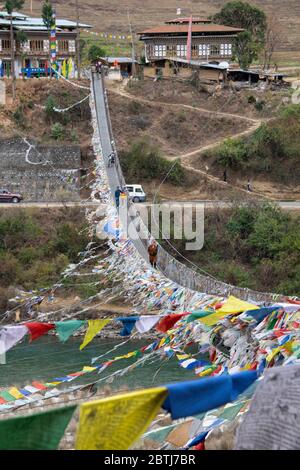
pixel 40 173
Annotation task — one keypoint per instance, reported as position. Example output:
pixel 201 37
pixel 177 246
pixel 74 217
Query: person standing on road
pixel 153 251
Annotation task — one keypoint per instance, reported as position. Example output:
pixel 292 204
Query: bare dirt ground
pixel 175 130
pixel 242 120
pixel 25 117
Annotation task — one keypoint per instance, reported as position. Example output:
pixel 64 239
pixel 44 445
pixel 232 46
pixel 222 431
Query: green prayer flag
pixel 40 431
pixel 197 315
pixel 65 329
pixel 7 396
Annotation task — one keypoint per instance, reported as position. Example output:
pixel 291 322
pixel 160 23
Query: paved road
pixel 285 205
pixel 41 205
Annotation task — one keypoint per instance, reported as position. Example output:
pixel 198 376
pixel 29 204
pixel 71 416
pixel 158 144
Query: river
pixel 46 358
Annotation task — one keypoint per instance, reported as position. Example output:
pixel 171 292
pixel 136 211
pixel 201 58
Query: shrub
pixel 260 105
pixel 57 131
pixel 18 116
pixel 49 109
pixel 251 99
pixel 143 161
pixel 232 153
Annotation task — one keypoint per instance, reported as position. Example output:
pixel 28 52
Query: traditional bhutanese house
pixel 208 41
pixel 183 68
pixel 32 55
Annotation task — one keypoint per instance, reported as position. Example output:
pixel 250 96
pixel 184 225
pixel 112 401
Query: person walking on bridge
pixel 153 251
pixel 117 196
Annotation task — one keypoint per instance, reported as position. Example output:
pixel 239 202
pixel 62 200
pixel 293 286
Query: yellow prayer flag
pixel 212 319
pixel 70 64
pixel 272 354
pixel 94 326
pixel 234 305
pixel 115 423
pixel 64 68
pixel 88 369
pixel 15 393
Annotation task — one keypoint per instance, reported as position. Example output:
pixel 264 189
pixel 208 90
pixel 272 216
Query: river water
pixel 46 359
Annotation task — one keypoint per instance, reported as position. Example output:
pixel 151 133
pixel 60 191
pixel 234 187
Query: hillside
pixel 111 16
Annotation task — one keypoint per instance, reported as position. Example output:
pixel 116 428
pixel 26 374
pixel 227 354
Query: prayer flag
pixel 38 329
pixel 40 431
pixel 94 326
pixel 65 329
pixel 115 423
pixel 190 398
pixel 128 325
pixel 11 335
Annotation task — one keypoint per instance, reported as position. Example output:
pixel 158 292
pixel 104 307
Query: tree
pixel 47 15
pixel 95 52
pixel 273 39
pixel 253 20
pixel 231 153
pixel 245 50
pixel 21 38
pixel 10 6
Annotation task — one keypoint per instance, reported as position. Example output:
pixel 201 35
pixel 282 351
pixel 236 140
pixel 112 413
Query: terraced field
pixel 111 16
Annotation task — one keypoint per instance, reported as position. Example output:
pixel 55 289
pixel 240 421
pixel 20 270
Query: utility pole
pixel 132 46
pixel 78 41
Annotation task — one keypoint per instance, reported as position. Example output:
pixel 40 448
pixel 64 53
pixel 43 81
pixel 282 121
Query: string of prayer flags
pixel 37 329
pixel 190 398
pixel 115 423
pixel 65 329
pixel 40 431
pixel 94 327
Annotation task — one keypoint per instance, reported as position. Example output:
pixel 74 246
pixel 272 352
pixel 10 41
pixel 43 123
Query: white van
pixel 136 192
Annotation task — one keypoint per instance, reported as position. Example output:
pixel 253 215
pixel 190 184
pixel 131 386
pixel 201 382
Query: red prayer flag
pixel 37 329
pixel 200 446
pixel 169 321
pixel 39 386
pixel 2 401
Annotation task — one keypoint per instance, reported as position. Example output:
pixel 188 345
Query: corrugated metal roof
pixel 120 60
pixel 15 14
pixel 200 64
pixel 196 28
pixel 38 22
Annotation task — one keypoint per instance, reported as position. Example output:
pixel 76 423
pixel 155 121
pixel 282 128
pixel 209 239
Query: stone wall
pixel 40 173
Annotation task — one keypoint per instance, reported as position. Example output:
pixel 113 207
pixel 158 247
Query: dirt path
pixel 187 157
pixel 120 91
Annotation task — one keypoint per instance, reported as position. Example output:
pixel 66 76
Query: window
pixel 181 50
pixel 204 50
pixel 5 44
pixel 160 50
pixel 37 46
pixel 226 50
pixel 63 46
pixel 215 49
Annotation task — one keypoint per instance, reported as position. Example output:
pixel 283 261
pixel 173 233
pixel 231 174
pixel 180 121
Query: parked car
pixel 136 192
pixel 7 196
